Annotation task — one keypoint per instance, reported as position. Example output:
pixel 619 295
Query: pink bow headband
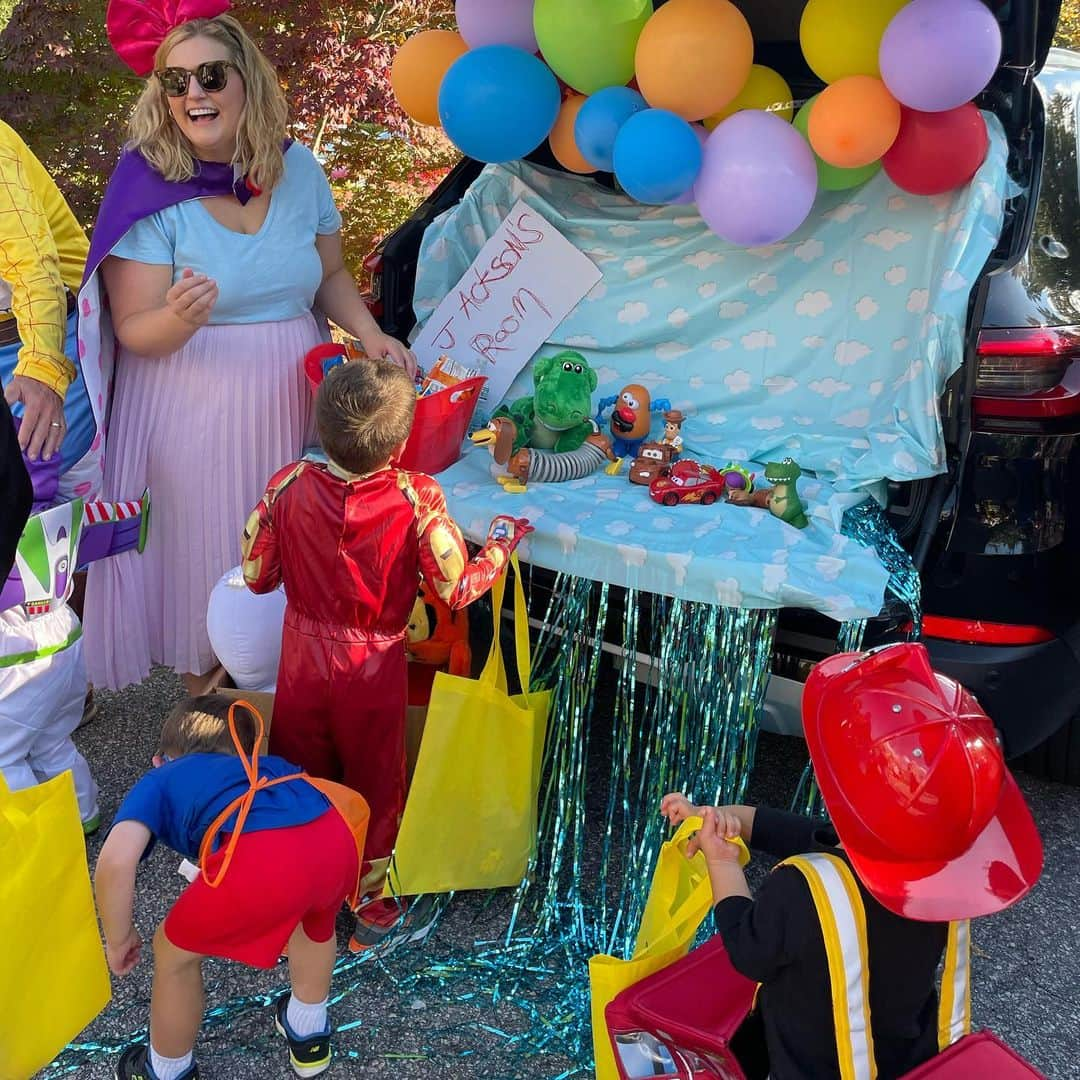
pixel 136 28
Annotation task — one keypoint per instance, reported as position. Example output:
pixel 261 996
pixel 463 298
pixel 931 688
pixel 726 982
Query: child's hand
pixel 718 829
pixel 124 955
pixel 512 530
pixel 676 807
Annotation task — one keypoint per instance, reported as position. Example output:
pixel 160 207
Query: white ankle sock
pixel 169 1068
pixel 306 1019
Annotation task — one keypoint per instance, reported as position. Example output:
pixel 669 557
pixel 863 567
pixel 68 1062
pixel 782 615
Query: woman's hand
pixel 124 955
pixel 381 346
pixel 192 298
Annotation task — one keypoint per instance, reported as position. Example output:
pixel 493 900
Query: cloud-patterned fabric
pixel 832 348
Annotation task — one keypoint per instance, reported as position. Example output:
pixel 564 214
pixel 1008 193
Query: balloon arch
pixel 673 104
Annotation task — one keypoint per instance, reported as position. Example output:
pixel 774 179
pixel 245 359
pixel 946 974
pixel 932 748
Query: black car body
pixel 996 536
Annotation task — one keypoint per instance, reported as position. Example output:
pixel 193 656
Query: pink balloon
pixel 758 181
pixel 497 22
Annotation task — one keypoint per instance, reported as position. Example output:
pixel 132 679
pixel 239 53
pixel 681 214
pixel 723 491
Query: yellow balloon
pixel 842 37
pixel 765 89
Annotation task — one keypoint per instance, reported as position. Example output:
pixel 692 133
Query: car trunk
pixel 915 508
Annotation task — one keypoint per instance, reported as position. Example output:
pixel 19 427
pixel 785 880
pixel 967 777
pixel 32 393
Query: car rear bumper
pixel 1029 691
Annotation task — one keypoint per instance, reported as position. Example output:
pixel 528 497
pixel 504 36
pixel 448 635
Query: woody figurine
pixel 673 422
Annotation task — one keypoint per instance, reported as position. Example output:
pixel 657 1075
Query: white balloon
pixel 245 631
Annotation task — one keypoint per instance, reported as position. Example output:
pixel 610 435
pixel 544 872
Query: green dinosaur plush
pixel 558 414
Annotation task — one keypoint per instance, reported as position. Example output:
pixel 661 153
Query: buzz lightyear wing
pixel 58 540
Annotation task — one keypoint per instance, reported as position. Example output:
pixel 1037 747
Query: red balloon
pixel 937 152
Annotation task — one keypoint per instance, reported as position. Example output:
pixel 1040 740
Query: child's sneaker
pixel 92 824
pixel 395 922
pixel 310 1054
pixel 134 1064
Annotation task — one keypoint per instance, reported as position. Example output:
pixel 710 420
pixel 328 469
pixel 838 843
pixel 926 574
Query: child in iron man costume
pixel 351 540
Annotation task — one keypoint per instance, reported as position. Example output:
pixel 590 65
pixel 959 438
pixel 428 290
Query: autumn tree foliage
pixel 63 88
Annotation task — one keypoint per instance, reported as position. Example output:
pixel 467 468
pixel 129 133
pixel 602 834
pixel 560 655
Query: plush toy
pixel 548 437
pixel 556 416
pixel 782 499
pixel 436 639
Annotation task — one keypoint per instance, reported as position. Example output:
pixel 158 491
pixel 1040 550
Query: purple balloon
pixel 687 196
pixel 939 54
pixel 497 22
pixel 758 181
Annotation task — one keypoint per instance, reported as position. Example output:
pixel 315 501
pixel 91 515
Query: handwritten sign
pixel 527 278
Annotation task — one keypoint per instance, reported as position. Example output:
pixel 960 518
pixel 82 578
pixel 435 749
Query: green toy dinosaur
pixel 558 414
pixel 782 499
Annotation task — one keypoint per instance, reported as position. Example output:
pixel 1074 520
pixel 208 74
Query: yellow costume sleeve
pixel 41 248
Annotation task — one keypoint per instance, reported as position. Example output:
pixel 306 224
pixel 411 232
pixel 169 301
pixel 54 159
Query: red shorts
pixel 278 879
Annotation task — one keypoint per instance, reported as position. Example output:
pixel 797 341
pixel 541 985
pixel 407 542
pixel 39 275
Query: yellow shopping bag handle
pixel 494 672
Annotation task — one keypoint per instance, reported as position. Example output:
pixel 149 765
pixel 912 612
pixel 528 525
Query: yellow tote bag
pixel 53 976
pixel 680 897
pixel 470 817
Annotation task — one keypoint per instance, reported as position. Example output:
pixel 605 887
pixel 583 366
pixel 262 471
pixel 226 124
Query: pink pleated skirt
pixel 204 429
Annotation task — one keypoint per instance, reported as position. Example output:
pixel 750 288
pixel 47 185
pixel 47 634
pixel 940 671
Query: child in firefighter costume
pixel 928 831
pixel 42 670
pixel 351 540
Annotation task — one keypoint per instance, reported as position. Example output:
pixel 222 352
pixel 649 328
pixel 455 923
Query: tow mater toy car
pixel 691 482
pixel 654 460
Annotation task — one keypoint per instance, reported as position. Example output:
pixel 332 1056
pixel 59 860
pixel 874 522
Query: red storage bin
pixel 679 1023
pixel 982 1056
pixel 441 422
pixel 440 426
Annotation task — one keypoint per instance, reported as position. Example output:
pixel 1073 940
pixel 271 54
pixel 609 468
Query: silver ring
pixel 54 423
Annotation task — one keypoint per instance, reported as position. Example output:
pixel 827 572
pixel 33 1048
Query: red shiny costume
pixel 351 551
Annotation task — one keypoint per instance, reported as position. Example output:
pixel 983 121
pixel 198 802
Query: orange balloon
pixel 694 56
pixel 418 70
pixel 563 144
pixel 854 122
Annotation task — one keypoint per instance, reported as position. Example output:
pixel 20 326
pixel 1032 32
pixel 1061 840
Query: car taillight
pixel 1030 373
pixel 980 632
pixel 373 265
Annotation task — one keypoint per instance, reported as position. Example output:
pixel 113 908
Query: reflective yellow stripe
pixel 954 1007
pixel 843 927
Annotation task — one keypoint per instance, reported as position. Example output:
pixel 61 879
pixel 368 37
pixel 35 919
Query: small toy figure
pixel 673 422
pixel 654 459
pixel 689 482
pixel 631 420
pixel 782 499
pixel 540 466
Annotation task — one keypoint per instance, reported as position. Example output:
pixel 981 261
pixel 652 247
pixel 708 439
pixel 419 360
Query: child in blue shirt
pixel 247 904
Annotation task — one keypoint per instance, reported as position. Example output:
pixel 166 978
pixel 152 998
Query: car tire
pixel 1056 759
pixel 708 498
pixel 671 500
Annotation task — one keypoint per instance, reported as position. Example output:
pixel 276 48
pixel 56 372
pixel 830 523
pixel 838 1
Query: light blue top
pixel 269 276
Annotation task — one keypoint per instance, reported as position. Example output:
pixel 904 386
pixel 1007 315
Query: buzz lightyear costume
pixel 42 671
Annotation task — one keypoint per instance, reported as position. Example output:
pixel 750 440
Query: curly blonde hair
pixel 261 131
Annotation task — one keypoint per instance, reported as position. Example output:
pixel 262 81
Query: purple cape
pixel 137 190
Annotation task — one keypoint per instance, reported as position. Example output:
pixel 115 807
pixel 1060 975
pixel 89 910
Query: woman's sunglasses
pixel 212 76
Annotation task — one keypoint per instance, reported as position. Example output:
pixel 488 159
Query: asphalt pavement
pixel 428 1010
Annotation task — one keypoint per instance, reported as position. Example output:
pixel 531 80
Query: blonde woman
pixel 217 240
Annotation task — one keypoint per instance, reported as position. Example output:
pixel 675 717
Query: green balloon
pixel 830 178
pixel 590 44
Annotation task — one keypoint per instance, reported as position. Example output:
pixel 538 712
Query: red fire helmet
pixel 912 774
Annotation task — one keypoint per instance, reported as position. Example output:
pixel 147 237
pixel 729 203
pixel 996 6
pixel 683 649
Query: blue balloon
pixel 599 120
pixel 498 103
pixel 657 156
